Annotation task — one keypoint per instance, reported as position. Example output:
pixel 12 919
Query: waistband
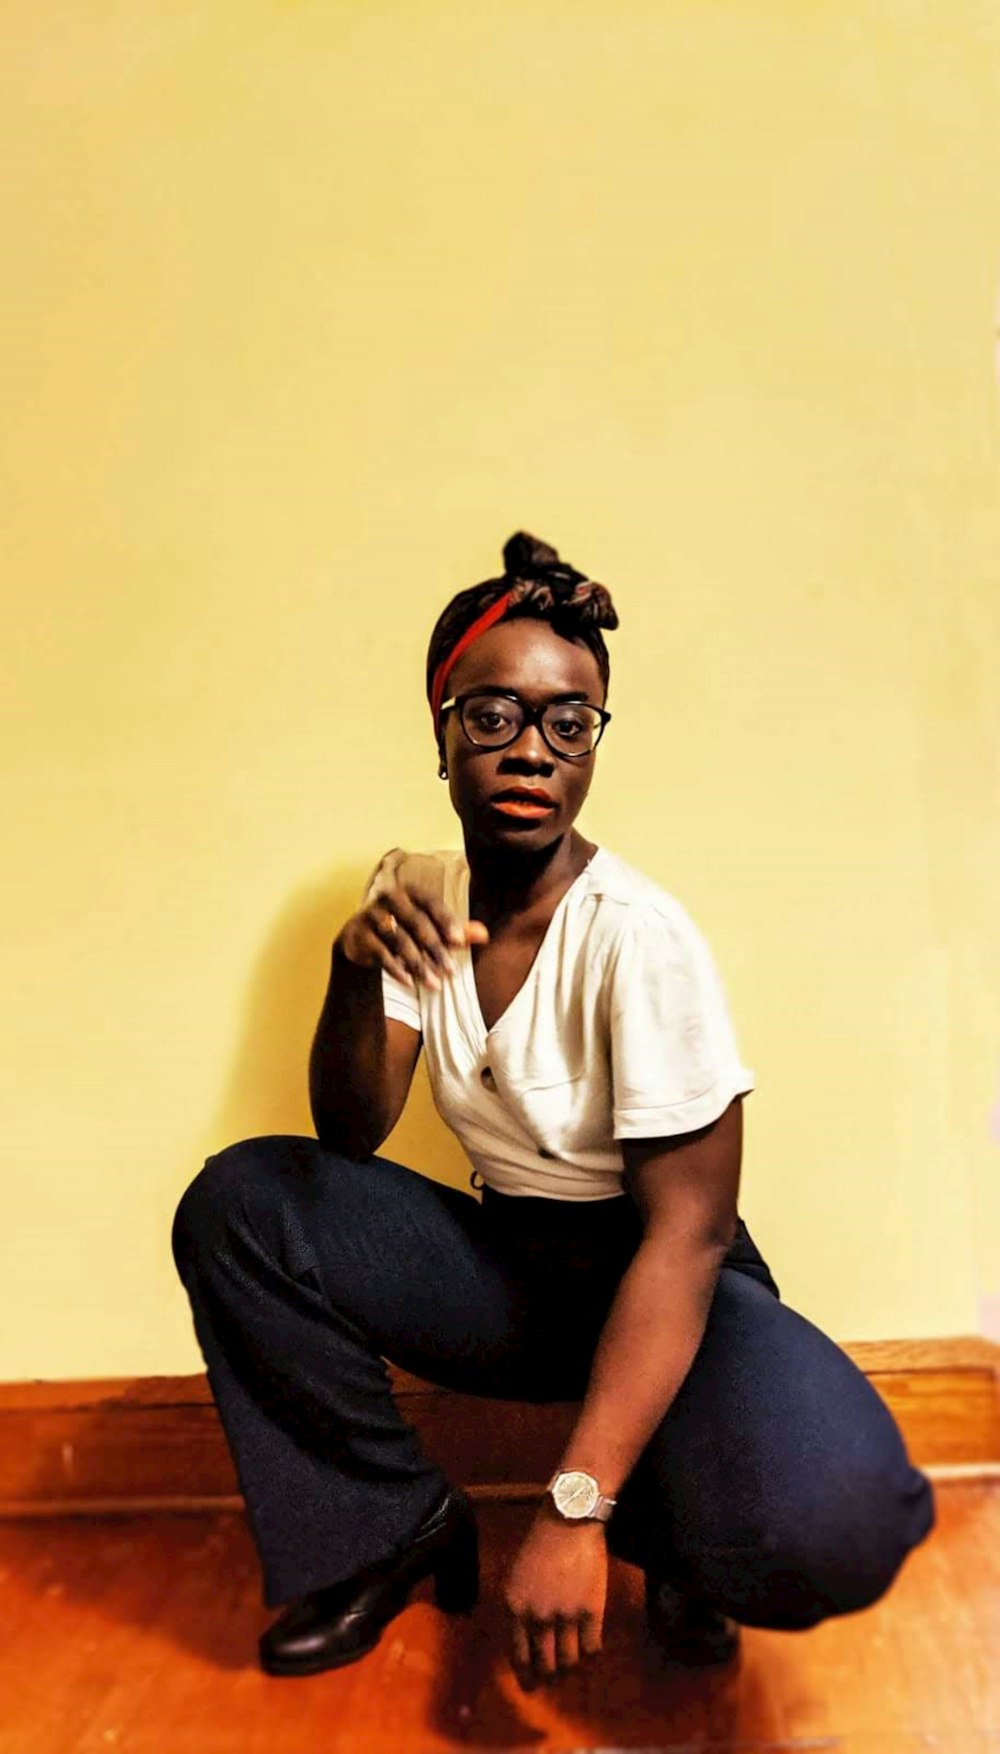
pixel 604 1229
pixel 538 1214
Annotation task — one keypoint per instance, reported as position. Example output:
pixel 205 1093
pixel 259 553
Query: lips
pixel 523 804
pixel 533 795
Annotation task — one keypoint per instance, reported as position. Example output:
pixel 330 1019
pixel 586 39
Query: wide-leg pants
pixel 777 1485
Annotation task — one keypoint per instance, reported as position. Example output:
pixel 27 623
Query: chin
pixel 533 836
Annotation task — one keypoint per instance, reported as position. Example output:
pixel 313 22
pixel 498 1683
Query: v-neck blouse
pixel 620 1030
pixel 466 963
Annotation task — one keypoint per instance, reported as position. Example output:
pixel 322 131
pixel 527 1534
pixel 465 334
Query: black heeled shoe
pixel 686 1630
pixel 344 1621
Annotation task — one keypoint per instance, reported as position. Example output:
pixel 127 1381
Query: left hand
pixel 555 1594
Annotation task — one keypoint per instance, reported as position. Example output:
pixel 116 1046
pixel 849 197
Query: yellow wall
pixel 305 308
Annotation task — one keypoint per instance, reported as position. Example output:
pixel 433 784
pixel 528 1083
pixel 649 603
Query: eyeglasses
pixel 491 719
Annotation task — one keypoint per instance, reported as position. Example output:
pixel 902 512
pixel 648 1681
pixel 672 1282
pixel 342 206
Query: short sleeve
pixel 675 1062
pixel 383 874
pixel 400 1002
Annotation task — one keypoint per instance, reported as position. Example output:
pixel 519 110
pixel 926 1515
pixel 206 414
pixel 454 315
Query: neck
pixel 504 882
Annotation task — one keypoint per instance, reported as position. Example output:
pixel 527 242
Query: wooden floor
pixel 139 1633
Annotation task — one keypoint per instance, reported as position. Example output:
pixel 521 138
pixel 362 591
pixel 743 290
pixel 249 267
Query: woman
pixel 578 1044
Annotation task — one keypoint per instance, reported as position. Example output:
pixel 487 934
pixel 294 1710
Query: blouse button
pixel 488 1079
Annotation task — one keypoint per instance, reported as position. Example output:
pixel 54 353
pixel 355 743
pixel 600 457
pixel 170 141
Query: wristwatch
pixel 578 1498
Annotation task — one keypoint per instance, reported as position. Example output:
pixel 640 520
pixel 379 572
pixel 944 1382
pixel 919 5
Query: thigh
pixel 403 1257
pixel 778 1444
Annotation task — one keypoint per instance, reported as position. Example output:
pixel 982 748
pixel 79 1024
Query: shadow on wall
pixel 268 1086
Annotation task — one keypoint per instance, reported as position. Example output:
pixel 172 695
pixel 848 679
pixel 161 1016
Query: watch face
pixel 575 1494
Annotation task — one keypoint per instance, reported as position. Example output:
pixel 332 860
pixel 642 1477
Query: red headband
pixel 441 674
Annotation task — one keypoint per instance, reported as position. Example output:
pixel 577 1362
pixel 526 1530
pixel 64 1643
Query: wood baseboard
pixel 156 1443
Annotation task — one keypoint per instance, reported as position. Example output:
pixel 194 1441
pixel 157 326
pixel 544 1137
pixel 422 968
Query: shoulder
pixel 629 910
pixel 441 869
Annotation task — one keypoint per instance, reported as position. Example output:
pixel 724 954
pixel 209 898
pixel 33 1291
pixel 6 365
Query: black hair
pixel 544 587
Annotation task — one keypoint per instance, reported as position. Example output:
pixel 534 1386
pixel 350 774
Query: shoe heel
pixel 456 1576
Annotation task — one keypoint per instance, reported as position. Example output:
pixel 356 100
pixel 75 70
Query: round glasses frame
pixel 533 715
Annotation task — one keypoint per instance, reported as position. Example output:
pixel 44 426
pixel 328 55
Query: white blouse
pixel 620 1031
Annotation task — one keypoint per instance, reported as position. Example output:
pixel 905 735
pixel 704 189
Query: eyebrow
pixel 502 688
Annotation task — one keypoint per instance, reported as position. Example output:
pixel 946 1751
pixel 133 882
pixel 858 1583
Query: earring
pixel 442 772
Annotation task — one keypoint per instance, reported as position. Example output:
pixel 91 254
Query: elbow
pixel 356 1149
pixel 697 1235
pixel 357 1152
pixel 703 1250
pixel 723 1233
pixel 347 1120
pixel 334 1134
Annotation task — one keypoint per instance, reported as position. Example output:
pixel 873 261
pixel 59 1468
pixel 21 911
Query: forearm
pixel 647 1346
pixel 347 1063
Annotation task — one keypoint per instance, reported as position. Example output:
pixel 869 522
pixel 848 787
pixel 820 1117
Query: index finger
pixel 520 1655
pixel 451 929
pixel 533 1652
pixel 567 1644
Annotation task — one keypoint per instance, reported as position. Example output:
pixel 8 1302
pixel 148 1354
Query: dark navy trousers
pixel 777 1486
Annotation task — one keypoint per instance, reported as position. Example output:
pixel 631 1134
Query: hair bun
pixel 524 556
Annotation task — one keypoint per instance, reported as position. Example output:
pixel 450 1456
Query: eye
pixel 572 729
pixel 489 718
pixel 569 727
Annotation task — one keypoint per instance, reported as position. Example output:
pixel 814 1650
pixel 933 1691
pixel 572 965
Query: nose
pixel 530 745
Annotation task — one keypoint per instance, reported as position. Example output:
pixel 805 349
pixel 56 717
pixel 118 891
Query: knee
pixel 885 1527
pixel 855 1550
pixel 218 1193
pixel 839 1555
